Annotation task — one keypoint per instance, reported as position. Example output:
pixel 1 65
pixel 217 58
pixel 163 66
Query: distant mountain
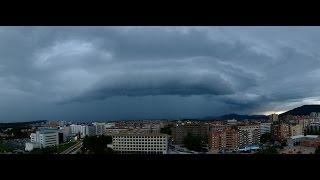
pixel 302 110
pixel 19 124
pixel 238 117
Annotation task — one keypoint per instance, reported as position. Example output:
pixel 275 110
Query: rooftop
pixel 140 134
pixel 302 136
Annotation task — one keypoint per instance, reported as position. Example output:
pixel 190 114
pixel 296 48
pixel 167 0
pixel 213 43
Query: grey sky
pixel 101 73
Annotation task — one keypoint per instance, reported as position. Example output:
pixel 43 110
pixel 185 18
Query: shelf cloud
pixel 100 73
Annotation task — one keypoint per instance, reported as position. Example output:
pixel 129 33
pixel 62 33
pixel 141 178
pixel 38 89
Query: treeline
pixel 18 124
pixel 97 145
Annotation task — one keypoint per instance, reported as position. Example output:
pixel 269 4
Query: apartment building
pixel 249 134
pixel 265 128
pixel 180 131
pixel 100 128
pixel 224 139
pixel 280 131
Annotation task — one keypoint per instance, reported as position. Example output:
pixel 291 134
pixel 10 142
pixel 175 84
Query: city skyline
pixel 101 73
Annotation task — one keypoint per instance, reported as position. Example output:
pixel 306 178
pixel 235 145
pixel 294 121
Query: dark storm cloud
pixel 102 72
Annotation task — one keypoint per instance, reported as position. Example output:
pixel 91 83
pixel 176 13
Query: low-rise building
pixel 140 143
pixel 297 150
pixel 296 140
pixel 43 138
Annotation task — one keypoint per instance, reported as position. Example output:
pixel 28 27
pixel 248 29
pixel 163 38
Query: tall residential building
pixel 265 128
pixel 280 131
pixel 224 139
pixel 180 131
pixel 90 130
pixel 84 130
pixel 273 117
pixel 100 128
pixel 43 138
pixel 76 128
pixel 140 143
pixel 248 135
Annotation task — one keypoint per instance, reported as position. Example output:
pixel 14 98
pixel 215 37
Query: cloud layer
pixel 98 73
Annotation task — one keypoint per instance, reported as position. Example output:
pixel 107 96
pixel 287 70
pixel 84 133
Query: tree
pixel 193 143
pixel 268 150
pixel 317 150
pixel 311 130
pixel 166 130
pixel 266 137
pixel 47 150
pixel 97 144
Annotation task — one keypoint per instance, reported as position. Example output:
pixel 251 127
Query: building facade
pixel 248 135
pixel 100 128
pixel 43 138
pixel 180 131
pixel 143 143
pixel 280 131
pixel 224 140
pixel 296 130
pixel 265 128
pixel 273 117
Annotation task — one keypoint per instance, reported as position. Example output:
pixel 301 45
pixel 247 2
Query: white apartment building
pixel 85 130
pixel 43 138
pixel 140 143
pixel 265 128
pixel 100 128
pixel 249 135
pixel 75 129
pixel 90 131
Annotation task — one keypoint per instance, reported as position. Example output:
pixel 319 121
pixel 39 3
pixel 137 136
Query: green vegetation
pixel 65 146
pixel 166 130
pixel 195 143
pixel 265 138
pixel 48 150
pixel 18 124
pixel 55 149
pixel 4 148
pixel 268 150
pixel 317 150
pixel 97 144
pixel 17 133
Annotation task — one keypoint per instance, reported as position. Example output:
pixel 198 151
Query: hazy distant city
pixel 294 132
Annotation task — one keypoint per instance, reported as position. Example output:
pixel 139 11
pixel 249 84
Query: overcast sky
pixel 110 73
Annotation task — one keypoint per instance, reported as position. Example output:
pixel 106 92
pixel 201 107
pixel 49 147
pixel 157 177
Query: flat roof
pixel 302 136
